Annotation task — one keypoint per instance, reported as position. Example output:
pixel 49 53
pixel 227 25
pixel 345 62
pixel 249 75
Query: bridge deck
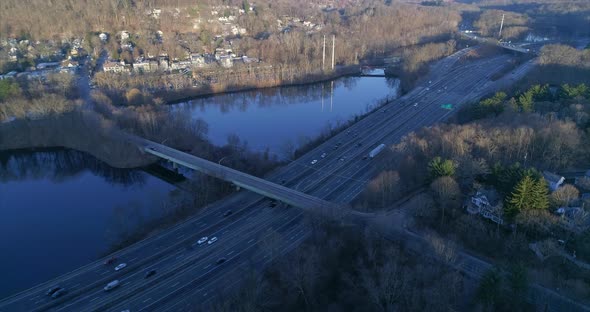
pixel 244 180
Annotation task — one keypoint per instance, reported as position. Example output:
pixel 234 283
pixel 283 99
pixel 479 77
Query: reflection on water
pixel 277 117
pixel 58 165
pixel 61 209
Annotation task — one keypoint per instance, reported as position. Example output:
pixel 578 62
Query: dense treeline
pixel 352 271
pixel 415 61
pixel 547 129
pixel 506 149
pixel 549 17
pixel 515 25
pixel 561 64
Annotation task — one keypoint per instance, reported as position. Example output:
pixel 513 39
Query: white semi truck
pixel 376 150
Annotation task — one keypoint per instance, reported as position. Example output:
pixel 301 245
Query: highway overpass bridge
pixel 257 185
pixel 501 44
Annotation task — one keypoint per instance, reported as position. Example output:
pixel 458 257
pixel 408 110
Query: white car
pixel 202 240
pixel 314 161
pixel 120 266
pixel 212 240
pixel 415 104
pixel 324 155
pixel 111 285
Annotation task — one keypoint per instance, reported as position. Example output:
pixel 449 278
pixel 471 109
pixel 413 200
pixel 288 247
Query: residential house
pixel 163 62
pixel 554 180
pixel 141 66
pixel 70 64
pixel 487 203
pixel 226 61
pixel 179 65
pixel 197 59
pixel 124 35
pixel 114 67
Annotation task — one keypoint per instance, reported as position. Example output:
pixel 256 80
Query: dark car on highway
pixel 220 261
pixel 150 273
pixel 111 260
pixel 227 213
pixel 60 292
pixel 52 290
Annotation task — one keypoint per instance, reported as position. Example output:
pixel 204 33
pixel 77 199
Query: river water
pixel 285 117
pixel 61 209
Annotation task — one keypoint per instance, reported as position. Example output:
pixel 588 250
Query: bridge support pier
pixel 175 167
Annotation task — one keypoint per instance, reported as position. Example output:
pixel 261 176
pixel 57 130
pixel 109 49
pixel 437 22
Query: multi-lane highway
pixel 188 276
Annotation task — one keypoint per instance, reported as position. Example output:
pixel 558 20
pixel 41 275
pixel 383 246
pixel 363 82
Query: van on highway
pixel 111 285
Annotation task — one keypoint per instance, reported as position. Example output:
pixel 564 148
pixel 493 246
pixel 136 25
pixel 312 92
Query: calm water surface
pixel 277 117
pixel 61 209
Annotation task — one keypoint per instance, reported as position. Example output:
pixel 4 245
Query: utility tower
pixel 501 25
pixel 333 49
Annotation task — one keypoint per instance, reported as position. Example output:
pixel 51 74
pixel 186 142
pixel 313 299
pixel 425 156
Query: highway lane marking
pixel 175 284
pixel 204 225
pixel 250 241
pixel 231 252
pixel 133 259
pixel 104 273
pixel 37 302
pixel 95 298
pixel 208 265
pixel 181 236
pixel 179 257
pixel 146 300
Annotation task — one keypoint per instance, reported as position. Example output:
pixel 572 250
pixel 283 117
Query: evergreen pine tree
pixel 522 197
pixel 540 194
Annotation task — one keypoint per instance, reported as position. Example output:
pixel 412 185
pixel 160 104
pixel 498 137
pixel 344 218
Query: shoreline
pixel 176 97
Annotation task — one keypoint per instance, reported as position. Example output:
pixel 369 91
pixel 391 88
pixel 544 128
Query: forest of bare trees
pixel 352 271
pixel 511 142
pixel 514 27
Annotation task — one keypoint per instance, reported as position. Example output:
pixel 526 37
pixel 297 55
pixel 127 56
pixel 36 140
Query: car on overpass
pixel 212 240
pixel 120 266
pixel 202 240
